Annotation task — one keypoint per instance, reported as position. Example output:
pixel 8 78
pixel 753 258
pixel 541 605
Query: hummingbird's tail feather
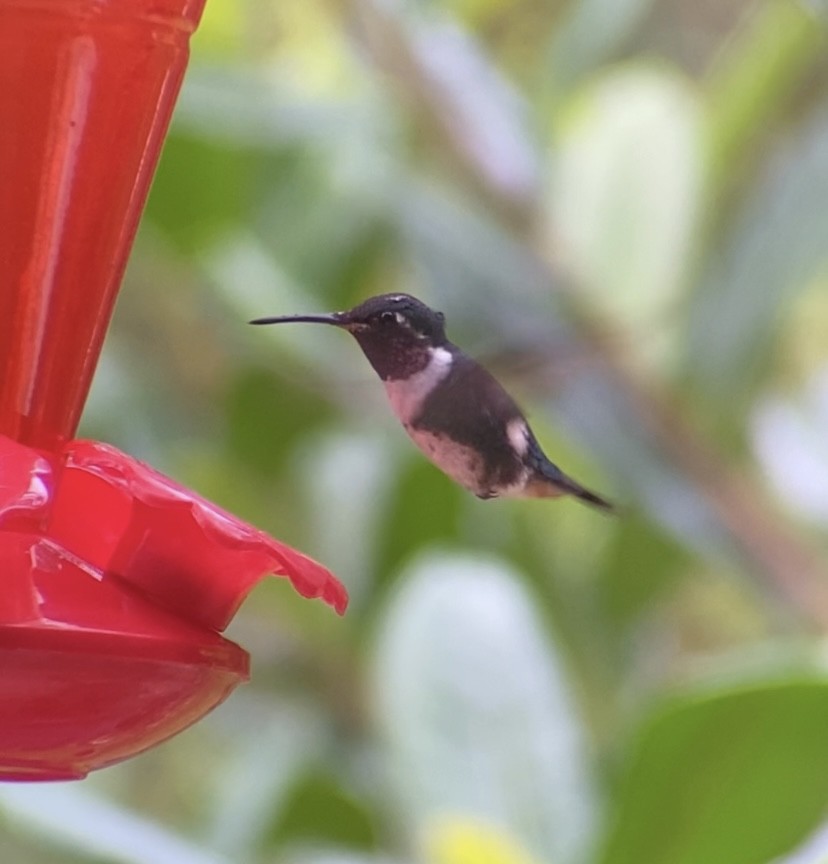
pixel 552 483
pixel 587 495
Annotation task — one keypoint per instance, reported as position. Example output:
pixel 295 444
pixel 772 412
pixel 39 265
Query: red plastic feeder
pixel 116 582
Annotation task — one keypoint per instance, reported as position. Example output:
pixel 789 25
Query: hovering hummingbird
pixel 453 409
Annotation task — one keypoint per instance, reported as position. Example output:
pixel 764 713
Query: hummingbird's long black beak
pixel 335 318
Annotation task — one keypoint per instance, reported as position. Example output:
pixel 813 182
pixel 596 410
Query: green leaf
pixel 641 565
pixel 200 190
pixel 425 509
pixel 734 777
pixel 626 194
pixel 753 81
pixel 319 811
pixel 267 416
pixel 476 709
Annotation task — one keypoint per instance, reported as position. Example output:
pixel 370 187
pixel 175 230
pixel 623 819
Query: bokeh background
pixel 622 207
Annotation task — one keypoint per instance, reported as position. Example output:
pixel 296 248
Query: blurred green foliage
pixel 622 205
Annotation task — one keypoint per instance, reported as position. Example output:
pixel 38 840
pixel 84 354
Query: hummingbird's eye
pixel 391 316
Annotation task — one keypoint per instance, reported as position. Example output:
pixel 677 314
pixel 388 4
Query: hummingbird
pixel 452 408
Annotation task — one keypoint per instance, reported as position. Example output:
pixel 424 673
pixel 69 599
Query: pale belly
pixel 463 464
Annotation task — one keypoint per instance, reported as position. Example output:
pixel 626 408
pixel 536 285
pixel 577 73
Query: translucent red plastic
pixel 87 88
pixel 115 582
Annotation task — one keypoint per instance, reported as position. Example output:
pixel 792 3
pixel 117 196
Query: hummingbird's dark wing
pixel 471 408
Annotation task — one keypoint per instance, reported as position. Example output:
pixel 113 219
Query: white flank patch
pixel 518 434
pixel 406 395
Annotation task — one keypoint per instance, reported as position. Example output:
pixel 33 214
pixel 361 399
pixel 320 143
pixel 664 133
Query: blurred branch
pixel 589 34
pixel 768 253
pixel 476 117
pixel 71 818
pixel 731 500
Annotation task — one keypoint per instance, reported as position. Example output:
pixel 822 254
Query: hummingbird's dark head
pixel 396 317
pixel 397 332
